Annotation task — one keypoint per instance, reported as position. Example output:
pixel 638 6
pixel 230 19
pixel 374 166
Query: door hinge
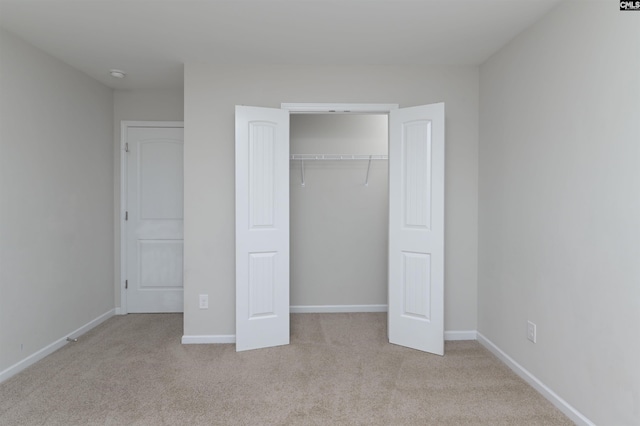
pixel 126 284
pixel 126 215
pixel 126 147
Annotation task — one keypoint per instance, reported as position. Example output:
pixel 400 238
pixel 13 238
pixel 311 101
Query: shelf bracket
pixel 366 182
pixel 302 183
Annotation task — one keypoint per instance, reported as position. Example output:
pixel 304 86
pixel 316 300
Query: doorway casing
pixel 328 108
pixel 339 108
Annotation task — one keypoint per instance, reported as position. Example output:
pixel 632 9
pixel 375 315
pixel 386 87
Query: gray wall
pixel 137 105
pixel 339 227
pixel 560 206
pixel 211 92
pixel 56 187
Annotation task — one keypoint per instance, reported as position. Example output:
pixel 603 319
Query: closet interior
pixel 339 212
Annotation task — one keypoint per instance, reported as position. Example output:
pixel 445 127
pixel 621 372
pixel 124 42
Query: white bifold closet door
pixel 262 227
pixel 416 227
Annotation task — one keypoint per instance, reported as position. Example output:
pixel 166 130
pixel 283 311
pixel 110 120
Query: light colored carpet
pixel 338 370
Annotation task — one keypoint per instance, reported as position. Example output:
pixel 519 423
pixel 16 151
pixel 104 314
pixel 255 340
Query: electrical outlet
pixel 531 331
pixel 204 301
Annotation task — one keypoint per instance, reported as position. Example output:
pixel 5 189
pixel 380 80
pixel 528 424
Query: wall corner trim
pixel 534 382
pixel 51 348
pixel 208 339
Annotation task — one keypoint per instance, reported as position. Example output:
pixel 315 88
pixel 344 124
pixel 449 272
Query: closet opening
pixel 339 212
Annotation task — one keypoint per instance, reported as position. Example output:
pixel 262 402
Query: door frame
pixel 337 108
pixel 124 127
pixel 342 108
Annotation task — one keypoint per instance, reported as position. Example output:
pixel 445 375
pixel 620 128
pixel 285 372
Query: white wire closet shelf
pixel 338 157
pixel 335 157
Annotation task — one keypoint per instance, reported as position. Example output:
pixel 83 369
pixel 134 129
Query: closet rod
pixel 338 157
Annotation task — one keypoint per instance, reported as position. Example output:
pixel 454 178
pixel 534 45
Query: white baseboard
pixel 205 339
pixel 120 311
pixel 231 338
pixel 51 348
pixel 329 309
pixel 532 380
pixel 460 335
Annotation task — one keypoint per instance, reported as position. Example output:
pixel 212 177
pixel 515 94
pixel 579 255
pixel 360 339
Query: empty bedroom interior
pixel 542 194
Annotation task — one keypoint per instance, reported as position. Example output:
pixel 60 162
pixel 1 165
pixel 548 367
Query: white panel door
pixel 416 228
pixel 154 225
pixel 262 227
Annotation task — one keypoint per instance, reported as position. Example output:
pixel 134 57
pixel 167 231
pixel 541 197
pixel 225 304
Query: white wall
pixel 137 105
pixel 56 193
pixel 559 205
pixel 210 95
pixel 339 227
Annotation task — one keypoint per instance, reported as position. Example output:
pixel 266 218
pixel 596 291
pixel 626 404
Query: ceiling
pixel 151 39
